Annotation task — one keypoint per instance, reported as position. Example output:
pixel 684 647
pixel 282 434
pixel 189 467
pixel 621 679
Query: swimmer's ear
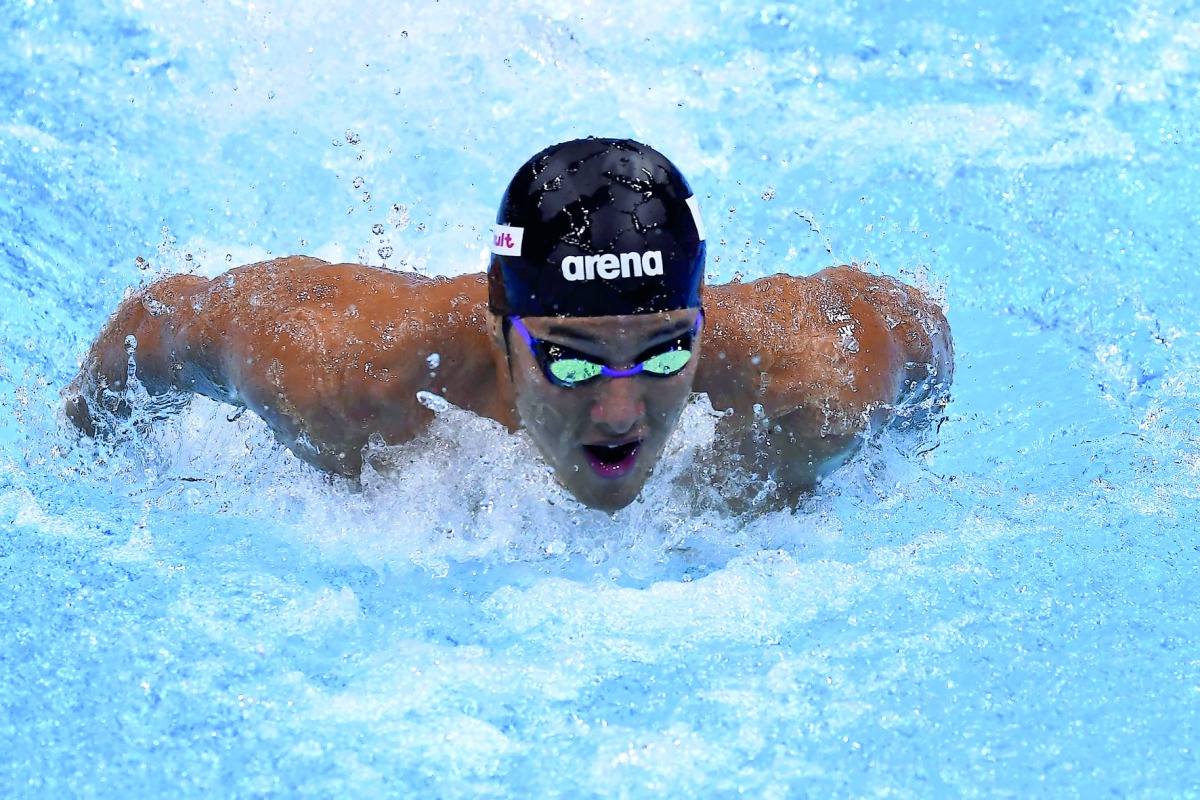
pixel 496 331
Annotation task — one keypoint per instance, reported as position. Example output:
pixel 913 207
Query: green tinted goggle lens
pixel 574 370
pixel 667 363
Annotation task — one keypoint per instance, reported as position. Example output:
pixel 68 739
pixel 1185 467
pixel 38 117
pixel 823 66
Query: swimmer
pixel 591 330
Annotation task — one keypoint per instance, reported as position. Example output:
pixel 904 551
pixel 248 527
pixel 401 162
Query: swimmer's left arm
pixel 807 365
pixel 905 336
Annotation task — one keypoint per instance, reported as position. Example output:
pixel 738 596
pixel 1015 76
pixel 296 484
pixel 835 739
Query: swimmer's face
pixel 603 436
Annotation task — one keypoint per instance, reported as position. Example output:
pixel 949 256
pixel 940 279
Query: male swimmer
pixel 587 331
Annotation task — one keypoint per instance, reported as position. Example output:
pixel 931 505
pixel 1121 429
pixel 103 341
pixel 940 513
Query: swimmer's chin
pixel 607 505
pixel 611 496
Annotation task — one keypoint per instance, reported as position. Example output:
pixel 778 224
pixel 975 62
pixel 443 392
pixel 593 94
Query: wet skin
pixel 331 354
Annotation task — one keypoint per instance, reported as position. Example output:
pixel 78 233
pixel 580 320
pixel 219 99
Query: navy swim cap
pixel 593 228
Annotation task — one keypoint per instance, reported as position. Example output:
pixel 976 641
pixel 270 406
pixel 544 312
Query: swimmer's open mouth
pixel 612 461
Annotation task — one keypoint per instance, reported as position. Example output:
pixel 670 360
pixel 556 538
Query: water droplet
pixel 187 257
pixel 435 359
pixel 396 91
pixel 229 256
pixel 141 263
pixel 385 252
pixel 352 137
pixel 377 229
pixel 130 344
pixel 399 217
pixel 421 227
pixel 270 95
pixel 403 34
pixel 366 197
pixel 768 193
pixel 358 182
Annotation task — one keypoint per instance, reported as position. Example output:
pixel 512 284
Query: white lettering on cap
pixel 506 240
pixel 694 205
pixel 610 267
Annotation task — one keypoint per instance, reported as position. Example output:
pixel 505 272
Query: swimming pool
pixel 193 613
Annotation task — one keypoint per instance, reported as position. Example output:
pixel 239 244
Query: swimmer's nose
pixel 619 406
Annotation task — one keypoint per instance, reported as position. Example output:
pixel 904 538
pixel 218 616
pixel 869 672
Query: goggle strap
pixel 621 373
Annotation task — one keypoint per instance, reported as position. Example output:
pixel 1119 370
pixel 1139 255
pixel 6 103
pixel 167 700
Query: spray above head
pixel 593 228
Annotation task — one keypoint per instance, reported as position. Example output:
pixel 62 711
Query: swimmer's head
pixel 594 228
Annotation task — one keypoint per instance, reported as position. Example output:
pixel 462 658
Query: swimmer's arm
pixel 889 364
pixel 905 339
pixel 807 365
pixel 151 330
pixel 883 358
pixel 328 355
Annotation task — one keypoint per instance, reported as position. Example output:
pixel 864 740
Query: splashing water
pixel 1010 609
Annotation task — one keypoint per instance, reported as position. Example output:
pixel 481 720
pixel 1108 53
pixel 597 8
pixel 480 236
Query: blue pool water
pixel 193 613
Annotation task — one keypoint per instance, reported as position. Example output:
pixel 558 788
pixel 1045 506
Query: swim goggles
pixel 566 367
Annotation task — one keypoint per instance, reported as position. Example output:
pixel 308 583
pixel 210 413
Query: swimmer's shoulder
pixel 304 279
pixel 771 308
pixel 786 340
pixel 793 303
pixel 308 268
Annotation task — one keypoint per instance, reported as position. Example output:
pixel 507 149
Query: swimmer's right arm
pixel 154 330
pixel 328 355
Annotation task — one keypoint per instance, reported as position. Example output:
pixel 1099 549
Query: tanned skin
pixel 331 354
